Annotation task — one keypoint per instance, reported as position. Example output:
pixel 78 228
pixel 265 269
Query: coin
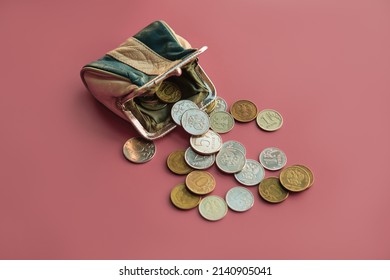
pixel 243 110
pixel 210 108
pixel 221 104
pixel 168 92
pixel 273 158
pixel 200 182
pixel 198 161
pixel 177 164
pixel 179 108
pixel 269 120
pixel 251 174
pixel 213 208
pixel 221 122
pixel 195 121
pixel 271 190
pixel 234 144
pixel 311 175
pixel 295 178
pixel 139 150
pixel 239 199
pixel 182 198
pixel 230 160
pixel 206 144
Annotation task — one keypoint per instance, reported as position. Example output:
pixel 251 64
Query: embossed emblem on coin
pixel 243 110
pixel 251 174
pixel 198 161
pixel 200 182
pixel 271 190
pixel 269 120
pixel 295 178
pixel 239 199
pixel 195 121
pixel 177 164
pixel 184 199
pixel 311 175
pixel 139 150
pixel 213 208
pixel 273 158
pixel 221 122
pixel 168 92
pixel 206 144
pixel 179 108
pixel 230 160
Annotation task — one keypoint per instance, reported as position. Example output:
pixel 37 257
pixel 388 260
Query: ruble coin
pixel 234 144
pixel 295 178
pixel 271 190
pixel 221 122
pixel 168 92
pixel 251 174
pixel 221 104
pixel 239 199
pixel 206 144
pixel 311 175
pixel 184 199
pixel 177 164
pixel 139 150
pixel 200 182
pixel 195 121
pixel 213 208
pixel 198 161
pixel 230 160
pixel 244 110
pixel 269 120
pixel 179 108
pixel 272 158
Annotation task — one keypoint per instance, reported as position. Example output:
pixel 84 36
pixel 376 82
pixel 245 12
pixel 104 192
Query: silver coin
pixel 213 208
pixel 273 158
pixel 206 144
pixel 252 173
pixel 195 121
pixel 198 161
pixel 139 150
pixel 230 160
pixel 221 104
pixel 179 108
pixel 234 144
pixel 221 122
pixel 239 199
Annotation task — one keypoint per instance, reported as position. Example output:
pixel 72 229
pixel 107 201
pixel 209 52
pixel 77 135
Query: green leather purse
pixel 142 78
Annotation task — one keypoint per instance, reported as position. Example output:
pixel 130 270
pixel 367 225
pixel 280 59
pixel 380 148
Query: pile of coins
pixel 206 148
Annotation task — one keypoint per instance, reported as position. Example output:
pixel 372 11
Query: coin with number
pixel 213 208
pixel 184 199
pixel 221 104
pixel 295 178
pixel 179 108
pixel 251 174
pixel 269 120
pixel 177 164
pixel 200 182
pixel 195 121
pixel 271 190
pixel 230 160
pixel 206 144
pixel 168 92
pixel 244 110
pixel 198 161
pixel 273 158
pixel 139 150
pixel 235 145
pixel 239 199
pixel 221 122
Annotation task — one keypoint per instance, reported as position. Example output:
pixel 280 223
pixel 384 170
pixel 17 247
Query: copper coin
pixel 200 182
pixel 243 110
pixel 295 178
pixel 177 164
pixel 271 190
pixel 182 198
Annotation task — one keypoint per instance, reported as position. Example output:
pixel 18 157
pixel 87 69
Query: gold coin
pixel 168 92
pixel 177 164
pixel 271 190
pixel 243 110
pixel 182 198
pixel 311 175
pixel 200 182
pixel 295 178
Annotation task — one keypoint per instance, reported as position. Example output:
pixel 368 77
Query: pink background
pixel 67 192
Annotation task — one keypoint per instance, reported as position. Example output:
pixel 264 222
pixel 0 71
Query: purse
pixel 142 78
